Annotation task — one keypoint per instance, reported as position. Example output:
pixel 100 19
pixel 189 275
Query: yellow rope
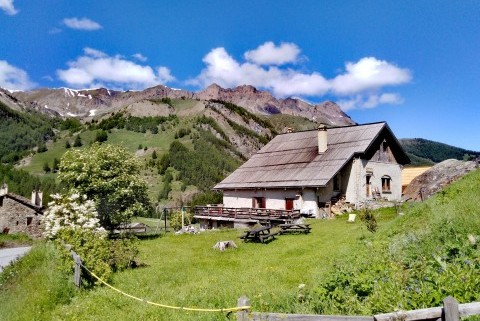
pixel 164 305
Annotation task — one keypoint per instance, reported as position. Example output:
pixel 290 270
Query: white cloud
pixel 223 69
pixel 359 86
pixel 369 73
pixel 97 68
pixel 140 57
pixel 14 78
pixel 269 54
pixel 164 75
pixel 94 53
pixel 81 24
pixel 8 7
pixel 370 101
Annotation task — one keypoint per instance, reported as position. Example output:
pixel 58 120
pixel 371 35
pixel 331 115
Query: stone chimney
pixel 322 138
pixel 4 190
pixel 37 198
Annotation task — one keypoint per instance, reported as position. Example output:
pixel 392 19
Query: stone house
pixel 19 214
pixel 310 170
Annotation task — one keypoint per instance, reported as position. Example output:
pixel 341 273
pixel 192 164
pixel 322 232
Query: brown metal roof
pixel 292 159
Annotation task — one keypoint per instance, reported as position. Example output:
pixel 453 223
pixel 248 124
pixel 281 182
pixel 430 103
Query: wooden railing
pixel 451 311
pixel 246 213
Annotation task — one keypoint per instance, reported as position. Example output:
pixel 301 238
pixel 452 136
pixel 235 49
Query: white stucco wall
pixel 356 191
pixel 304 200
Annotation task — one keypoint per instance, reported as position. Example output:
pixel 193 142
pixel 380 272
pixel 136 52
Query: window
pixel 29 220
pixel 386 184
pixel 258 202
pixel 289 204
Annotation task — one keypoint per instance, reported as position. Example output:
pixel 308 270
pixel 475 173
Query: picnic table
pixel 261 233
pixel 294 228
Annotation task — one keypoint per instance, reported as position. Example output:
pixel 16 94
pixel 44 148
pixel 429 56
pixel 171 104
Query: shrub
pixel 101 136
pixel 176 219
pixel 123 252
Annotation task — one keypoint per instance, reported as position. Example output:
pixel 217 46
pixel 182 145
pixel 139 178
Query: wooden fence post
pixel 450 309
pixel 77 276
pixel 243 314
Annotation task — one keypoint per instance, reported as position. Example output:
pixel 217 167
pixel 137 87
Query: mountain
pixel 426 152
pixel 90 103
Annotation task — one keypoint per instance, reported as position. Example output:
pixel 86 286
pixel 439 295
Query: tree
pixel 67 144
pixel 109 175
pixel 78 141
pixel 101 136
pixel 46 167
pixel 56 164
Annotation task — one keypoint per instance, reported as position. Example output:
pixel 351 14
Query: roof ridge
pixel 334 127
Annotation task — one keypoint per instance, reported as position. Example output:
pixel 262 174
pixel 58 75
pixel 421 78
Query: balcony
pixel 246 215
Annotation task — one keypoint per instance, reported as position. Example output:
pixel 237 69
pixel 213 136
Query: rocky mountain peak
pixel 85 103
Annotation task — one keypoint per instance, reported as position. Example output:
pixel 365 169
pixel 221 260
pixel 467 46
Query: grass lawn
pixel 184 270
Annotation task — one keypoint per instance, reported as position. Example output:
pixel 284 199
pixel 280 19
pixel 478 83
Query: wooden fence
pixel 451 311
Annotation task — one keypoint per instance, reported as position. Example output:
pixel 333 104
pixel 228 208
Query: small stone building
pixel 19 214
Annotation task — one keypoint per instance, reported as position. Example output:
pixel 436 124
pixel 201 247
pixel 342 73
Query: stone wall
pixel 16 216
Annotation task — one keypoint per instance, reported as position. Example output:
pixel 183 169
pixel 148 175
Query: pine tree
pixel 78 141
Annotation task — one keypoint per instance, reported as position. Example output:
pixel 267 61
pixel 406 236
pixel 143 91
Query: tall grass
pixel 32 288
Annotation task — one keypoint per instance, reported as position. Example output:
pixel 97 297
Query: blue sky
pixel 414 64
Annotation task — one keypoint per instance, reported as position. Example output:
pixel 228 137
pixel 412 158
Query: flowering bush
pixel 71 212
pixel 73 219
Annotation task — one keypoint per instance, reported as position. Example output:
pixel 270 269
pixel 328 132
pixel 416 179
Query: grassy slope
pixel 184 270
pixel 281 122
pixel 33 287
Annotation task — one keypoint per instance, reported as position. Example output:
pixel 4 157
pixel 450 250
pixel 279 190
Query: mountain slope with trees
pixel 426 152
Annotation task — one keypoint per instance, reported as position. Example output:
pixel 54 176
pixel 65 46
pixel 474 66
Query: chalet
pixel 19 214
pixel 302 172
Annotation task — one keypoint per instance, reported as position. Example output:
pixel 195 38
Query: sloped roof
pixel 24 201
pixel 292 160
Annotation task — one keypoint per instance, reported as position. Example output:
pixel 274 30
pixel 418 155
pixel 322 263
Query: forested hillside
pixel 20 132
pixel 186 148
pixel 426 152
pixel 23 183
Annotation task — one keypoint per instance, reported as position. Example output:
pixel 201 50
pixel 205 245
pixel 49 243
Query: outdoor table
pixel 294 228
pixel 261 234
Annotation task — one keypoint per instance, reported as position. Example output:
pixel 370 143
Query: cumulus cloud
pixel 140 57
pixel 8 7
pixel 359 85
pixel 270 54
pixel 367 74
pixel 14 78
pixel 223 69
pixel 97 68
pixel 81 24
